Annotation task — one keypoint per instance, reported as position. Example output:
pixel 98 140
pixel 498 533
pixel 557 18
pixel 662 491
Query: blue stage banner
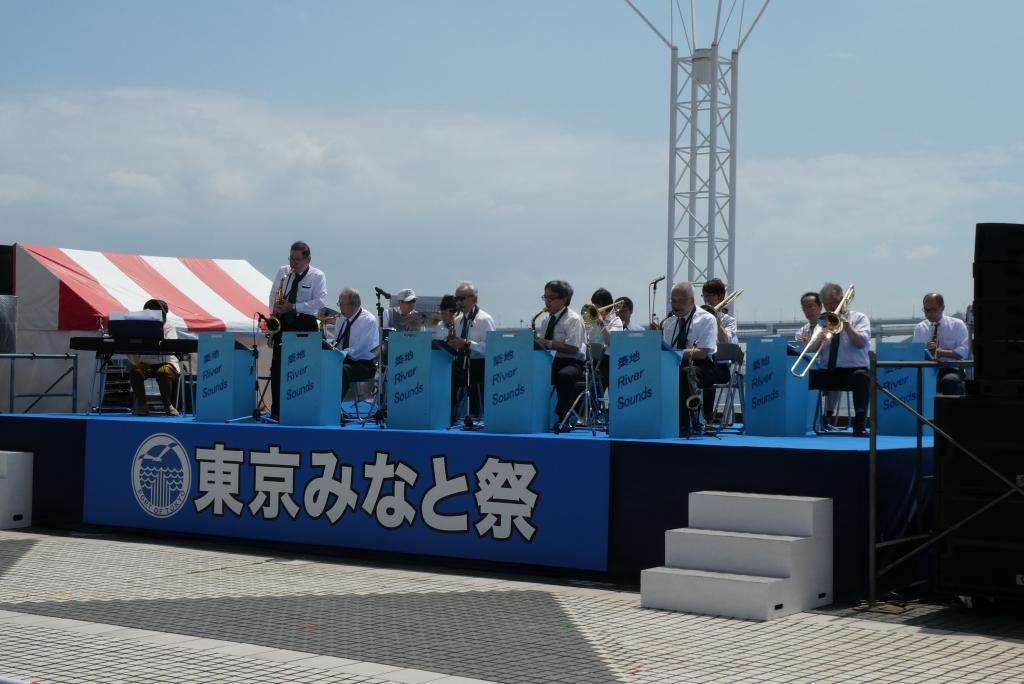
pixel 225 386
pixel 530 500
pixel 777 401
pixel 893 419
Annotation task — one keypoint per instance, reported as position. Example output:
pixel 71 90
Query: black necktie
pixel 549 333
pixel 345 333
pixel 682 331
pixel 465 327
pixel 833 351
pixel 293 291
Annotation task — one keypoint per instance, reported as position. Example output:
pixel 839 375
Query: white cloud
pixel 424 198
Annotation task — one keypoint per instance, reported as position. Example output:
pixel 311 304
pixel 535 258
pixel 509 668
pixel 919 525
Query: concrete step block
pixel 798 516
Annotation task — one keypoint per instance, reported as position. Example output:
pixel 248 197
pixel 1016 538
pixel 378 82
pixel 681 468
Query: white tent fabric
pixel 64 293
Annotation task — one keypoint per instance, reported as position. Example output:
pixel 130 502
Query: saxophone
pixel 694 398
pixel 274 322
pixel 450 325
pixel 533 321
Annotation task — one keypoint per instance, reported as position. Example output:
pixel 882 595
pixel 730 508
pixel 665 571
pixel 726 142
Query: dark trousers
pixel 302 323
pixel 354 371
pixel 708 374
pixel 856 380
pixel 475 381
pixel 166 374
pixel 565 374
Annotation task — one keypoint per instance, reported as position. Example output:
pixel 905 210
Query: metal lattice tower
pixel 701 240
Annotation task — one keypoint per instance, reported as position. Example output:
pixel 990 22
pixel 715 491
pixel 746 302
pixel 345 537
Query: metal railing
pixel 48 393
pixel 928 537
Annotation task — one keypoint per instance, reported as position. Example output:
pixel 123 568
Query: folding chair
pixel 730 355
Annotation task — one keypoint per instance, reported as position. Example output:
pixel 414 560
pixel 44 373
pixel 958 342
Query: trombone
pixel 829 325
pixel 717 308
pixel 590 313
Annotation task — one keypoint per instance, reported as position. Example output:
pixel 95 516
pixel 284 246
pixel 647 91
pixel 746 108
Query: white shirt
pixel 703 331
pixel 952 335
pixel 170 333
pixel 850 356
pixel 729 324
pixel 634 327
pixel 441 331
pixel 364 338
pixel 597 332
pixel 479 326
pixel 569 329
pixel 312 292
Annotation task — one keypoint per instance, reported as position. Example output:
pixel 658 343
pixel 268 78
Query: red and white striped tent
pixel 62 293
pixel 70 289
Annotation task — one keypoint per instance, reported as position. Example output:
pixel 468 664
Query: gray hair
pixel 831 290
pixel 353 296
pixel 686 286
pixel 468 285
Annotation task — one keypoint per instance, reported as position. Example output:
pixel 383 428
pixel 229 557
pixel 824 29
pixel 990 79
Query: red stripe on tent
pixel 82 298
pixel 159 287
pixel 227 287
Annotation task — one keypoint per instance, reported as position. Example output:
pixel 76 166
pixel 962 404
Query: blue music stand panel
pixel 310 380
pixel 419 382
pixel 224 382
pixel 517 384
pixel 893 419
pixel 643 390
pixel 777 401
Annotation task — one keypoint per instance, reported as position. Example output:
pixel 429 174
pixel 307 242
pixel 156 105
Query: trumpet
pixel 533 321
pixel 590 313
pixel 717 308
pixel 829 325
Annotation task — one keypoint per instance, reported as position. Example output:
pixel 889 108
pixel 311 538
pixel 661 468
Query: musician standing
pixel 945 338
pixel 163 367
pixel 303 292
pixel 357 335
pixel 713 293
pixel 471 327
pixel 844 359
pixel 693 332
pixel 562 331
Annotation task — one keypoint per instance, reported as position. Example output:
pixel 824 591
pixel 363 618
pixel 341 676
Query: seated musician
pixel 843 363
pixel 561 330
pixel 693 331
pixel 713 293
pixel 404 316
pixel 626 315
pixel 810 305
pixel 357 335
pixel 445 327
pixel 163 367
pixel 470 343
pixel 945 337
pixel 599 329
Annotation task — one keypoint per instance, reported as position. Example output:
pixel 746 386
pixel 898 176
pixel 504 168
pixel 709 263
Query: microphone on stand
pixel 382 293
pixel 657 280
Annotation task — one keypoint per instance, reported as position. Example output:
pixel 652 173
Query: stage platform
pixel 588 504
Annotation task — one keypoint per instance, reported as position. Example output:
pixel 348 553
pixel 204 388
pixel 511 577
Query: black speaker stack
pixel 984 557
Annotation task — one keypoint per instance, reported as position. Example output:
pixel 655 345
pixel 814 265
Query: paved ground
pixel 103 610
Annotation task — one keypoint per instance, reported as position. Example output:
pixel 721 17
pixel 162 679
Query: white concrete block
pixel 798 516
pixel 741 553
pixel 15 489
pixel 747 597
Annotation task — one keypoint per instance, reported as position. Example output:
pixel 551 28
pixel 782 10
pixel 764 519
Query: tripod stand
pixel 588 414
pixel 378 411
pixel 254 368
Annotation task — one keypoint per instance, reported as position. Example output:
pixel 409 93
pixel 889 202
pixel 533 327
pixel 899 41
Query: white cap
pixel 405 295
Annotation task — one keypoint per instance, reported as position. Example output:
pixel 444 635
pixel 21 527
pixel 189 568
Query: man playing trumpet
pixel 713 293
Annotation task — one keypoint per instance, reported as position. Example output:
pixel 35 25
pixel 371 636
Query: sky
pixel 417 143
